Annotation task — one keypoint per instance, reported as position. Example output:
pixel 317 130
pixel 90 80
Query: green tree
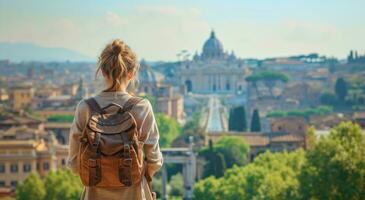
pixel 329 99
pixel 237 119
pixel 31 189
pixel 208 189
pixel 335 167
pixel 62 184
pixel 234 151
pixel 215 162
pixel 270 176
pixel 255 121
pixel 169 129
pixel 341 89
pixel 177 185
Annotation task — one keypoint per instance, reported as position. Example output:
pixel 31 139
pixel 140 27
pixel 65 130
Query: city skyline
pixel 159 30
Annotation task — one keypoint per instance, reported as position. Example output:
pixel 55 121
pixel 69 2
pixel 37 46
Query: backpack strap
pixel 131 103
pixel 93 105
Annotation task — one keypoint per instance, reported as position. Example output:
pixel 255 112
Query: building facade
pixel 24 150
pixel 213 71
pixel 166 100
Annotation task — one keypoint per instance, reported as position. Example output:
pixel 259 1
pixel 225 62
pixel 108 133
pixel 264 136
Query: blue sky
pixel 159 29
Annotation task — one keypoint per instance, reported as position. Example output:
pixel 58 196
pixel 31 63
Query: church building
pixel 213 71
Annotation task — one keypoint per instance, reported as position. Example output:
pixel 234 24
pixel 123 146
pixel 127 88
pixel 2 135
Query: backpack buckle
pixel 126 162
pixel 126 148
pixel 93 163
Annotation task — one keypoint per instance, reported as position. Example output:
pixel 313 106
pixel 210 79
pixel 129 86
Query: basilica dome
pixel 212 48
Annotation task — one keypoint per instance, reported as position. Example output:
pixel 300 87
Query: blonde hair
pixel 116 61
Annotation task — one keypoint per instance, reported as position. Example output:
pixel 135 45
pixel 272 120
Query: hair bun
pixel 117 46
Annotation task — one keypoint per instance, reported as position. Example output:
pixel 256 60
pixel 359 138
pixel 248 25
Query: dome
pixel 212 47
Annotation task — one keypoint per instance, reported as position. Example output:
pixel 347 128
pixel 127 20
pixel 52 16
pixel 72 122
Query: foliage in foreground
pixel 61 184
pixel 334 168
pixel 226 152
pixel 169 129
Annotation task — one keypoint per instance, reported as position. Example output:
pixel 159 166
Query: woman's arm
pixel 77 127
pixel 150 134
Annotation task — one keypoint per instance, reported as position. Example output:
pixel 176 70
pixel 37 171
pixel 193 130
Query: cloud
pixel 160 32
pixel 113 18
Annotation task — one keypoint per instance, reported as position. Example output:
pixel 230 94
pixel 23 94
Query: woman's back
pixel 118 65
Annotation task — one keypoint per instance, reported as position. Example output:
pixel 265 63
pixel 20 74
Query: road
pixel 214 123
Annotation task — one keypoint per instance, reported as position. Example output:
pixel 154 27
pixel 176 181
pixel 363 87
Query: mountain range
pixel 18 52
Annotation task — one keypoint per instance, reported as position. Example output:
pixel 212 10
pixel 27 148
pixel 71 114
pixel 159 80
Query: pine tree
pixel 237 119
pixel 255 121
pixel 341 89
pixel 220 165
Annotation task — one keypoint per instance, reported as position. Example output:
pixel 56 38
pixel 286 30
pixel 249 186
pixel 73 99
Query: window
pixel 2 168
pixel 63 162
pixel 46 166
pixel 14 168
pixel 13 183
pixel 2 183
pixel 27 167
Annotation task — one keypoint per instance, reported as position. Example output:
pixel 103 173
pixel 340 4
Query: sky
pixel 160 29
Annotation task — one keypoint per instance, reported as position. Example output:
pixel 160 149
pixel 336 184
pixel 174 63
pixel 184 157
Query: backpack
pixel 111 151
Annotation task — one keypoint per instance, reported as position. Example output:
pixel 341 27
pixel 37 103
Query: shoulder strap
pixel 131 103
pixel 93 105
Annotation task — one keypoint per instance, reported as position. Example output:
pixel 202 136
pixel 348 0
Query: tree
pixel 255 121
pixel 329 99
pixel 177 185
pixel 31 189
pixel 233 150
pixel 169 129
pixel 62 184
pixel 237 119
pixel 335 167
pixel 341 89
pixel 270 176
pixel 216 164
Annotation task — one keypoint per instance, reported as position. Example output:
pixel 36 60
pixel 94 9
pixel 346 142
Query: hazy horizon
pixel 158 31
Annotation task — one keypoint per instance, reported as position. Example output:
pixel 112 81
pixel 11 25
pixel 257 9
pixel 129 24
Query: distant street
pixel 214 118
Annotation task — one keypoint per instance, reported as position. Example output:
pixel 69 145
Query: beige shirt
pixel 146 124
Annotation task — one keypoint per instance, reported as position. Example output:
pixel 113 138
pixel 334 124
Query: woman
pixel 119 66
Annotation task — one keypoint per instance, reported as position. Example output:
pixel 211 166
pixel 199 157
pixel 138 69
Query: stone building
pixel 24 150
pixel 21 97
pixel 166 100
pixel 213 71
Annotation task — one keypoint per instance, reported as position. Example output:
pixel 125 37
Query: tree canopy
pixel 234 151
pixel 31 189
pixel 335 167
pixel 169 129
pixel 60 184
pixel 332 168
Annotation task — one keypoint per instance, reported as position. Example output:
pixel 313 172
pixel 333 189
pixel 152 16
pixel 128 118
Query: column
pixel 164 183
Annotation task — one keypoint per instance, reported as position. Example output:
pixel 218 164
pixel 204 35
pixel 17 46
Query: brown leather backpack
pixel 111 152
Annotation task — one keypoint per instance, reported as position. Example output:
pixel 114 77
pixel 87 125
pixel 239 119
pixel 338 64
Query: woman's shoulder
pixel 142 103
pixel 81 106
